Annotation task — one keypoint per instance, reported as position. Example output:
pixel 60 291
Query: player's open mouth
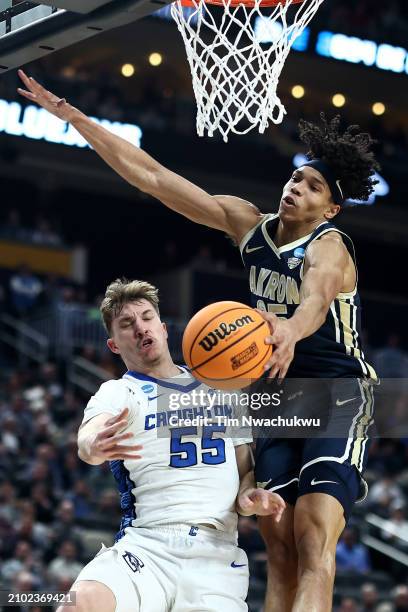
pixel 146 343
pixel 289 200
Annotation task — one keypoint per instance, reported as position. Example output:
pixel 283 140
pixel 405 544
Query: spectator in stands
pixel 23 559
pixel 392 361
pixel 348 604
pixel 369 597
pixel 25 289
pixel 64 526
pixel 49 376
pixel 351 555
pixel 9 437
pixel 81 497
pixel 44 235
pixel 382 493
pixel 400 598
pixel 395 529
pixel 8 497
pixel 12 228
pixel 66 565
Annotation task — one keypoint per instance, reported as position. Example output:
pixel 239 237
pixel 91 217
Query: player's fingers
pixel 24 78
pixel 245 502
pixel 118 417
pixel 112 442
pixel 38 88
pixel 121 456
pixel 112 429
pixel 273 371
pixel 119 448
pixel 27 94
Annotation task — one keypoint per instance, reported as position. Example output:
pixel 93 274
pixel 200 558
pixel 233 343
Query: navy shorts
pixel 331 461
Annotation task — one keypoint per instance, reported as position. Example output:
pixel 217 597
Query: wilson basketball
pixel 224 345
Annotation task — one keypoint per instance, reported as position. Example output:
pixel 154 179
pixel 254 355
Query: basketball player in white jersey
pixel 176 550
pixel 303 268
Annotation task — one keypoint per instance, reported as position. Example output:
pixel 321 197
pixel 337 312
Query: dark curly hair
pixel 348 154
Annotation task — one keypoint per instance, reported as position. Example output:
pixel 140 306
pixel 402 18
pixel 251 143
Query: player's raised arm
pixel 100 440
pixel 229 214
pixel 325 267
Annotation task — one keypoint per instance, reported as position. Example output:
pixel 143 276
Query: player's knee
pixel 282 560
pixel 91 596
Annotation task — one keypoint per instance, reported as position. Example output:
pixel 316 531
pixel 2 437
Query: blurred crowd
pixel 41 233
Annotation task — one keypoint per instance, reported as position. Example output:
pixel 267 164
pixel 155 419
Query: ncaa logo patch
pixel 299 252
pixel 147 388
pixel 133 562
pixel 293 262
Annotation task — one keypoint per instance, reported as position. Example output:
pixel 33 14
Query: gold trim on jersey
pixel 348 334
pixel 362 424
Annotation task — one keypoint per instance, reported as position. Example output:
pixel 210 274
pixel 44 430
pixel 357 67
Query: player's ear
pixel 332 211
pixel 165 330
pixel 112 346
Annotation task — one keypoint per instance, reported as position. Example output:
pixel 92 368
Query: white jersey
pixel 186 474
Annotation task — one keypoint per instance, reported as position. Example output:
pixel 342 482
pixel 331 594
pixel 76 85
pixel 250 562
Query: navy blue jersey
pixel 275 276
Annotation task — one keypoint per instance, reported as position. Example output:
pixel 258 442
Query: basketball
pixel 224 345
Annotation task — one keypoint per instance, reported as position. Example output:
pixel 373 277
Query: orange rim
pixel 249 3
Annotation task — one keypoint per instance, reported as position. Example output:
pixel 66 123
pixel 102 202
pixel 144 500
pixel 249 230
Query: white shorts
pixel 175 568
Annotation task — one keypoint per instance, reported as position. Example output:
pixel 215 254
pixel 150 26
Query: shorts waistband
pixel 196 531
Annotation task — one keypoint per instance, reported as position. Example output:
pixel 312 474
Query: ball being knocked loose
pixel 224 345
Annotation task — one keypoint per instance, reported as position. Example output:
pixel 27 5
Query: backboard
pixel 31 30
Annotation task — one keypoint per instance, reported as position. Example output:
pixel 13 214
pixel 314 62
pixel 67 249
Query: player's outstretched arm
pixel 325 267
pixel 100 440
pixel 229 214
pixel 251 499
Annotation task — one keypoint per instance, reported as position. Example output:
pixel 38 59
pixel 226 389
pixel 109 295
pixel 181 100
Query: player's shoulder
pixel 331 239
pixel 121 387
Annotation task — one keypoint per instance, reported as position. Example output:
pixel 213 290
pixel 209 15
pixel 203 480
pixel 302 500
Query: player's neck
pixel 166 368
pixel 290 232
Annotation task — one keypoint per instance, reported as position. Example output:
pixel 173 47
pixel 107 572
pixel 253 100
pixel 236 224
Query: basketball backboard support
pixel 31 30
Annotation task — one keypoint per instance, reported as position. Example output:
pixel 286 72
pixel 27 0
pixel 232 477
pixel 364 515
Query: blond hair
pixel 121 292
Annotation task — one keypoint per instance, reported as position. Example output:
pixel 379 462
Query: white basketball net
pixel 235 76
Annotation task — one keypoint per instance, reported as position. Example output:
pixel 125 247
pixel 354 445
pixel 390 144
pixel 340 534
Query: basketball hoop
pixel 235 75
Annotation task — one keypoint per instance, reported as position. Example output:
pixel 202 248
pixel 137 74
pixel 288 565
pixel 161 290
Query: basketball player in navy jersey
pixel 303 277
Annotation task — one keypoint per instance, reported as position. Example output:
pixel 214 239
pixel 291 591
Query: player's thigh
pixel 90 596
pixel 215 579
pixel 277 466
pixel 132 581
pixel 327 469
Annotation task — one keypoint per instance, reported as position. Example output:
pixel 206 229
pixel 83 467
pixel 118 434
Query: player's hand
pixel 38 94
pixel 107 444
pixel 261 502
pixel 283 339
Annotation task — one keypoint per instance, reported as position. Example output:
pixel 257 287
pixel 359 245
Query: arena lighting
pixel 267 32
pixel 155 59
pixel 341 47
pixel 36 123
pixel 356 50
pixel 298 91
pixel 338 100
pixel 378 109
pixel 128 70
pixel 380 190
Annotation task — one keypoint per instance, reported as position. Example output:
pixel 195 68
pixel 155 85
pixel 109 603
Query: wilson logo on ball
pixel 223 331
